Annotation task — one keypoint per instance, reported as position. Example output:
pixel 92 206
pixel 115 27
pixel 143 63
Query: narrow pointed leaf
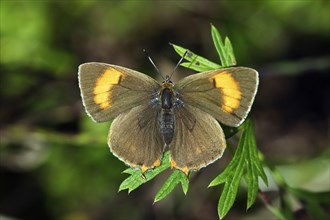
pixel 221 178
pixel 230 52
pixel 261 170
pixel 254 154
pixel 184 182
pixel 132 182
pixel 252 159
pixel 254 168
pixel 252 181
pixel 229 192
pixel 196 60
pixel 219 45
pixel 168 186
pixel 128 171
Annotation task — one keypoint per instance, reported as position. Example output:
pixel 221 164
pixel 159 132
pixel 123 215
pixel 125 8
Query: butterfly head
pixel 167 83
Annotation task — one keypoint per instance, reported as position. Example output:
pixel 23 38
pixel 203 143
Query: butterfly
pixel 150 117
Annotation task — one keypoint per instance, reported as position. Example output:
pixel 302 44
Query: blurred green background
pixel 55 162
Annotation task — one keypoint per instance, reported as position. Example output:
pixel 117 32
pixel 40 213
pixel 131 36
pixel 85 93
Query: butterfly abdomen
pixel 167 125
pixel 166 119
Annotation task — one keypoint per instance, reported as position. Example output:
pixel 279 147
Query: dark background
pixel 55 163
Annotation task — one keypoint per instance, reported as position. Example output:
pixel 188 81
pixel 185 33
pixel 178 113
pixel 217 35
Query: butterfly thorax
pixel 166 116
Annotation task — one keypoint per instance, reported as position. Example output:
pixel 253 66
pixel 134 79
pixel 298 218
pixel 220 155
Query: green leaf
pixel 229 192
pixel 255 156
pixel 176 177
pixel 259 166
pixel 129 171
pixel 225 50
pixel 133 181
pixel 184 183
pixel 220 47
pixel 221 178
pixel 252 181
pixel 230 52
pixel 233 180
pixel 195 67
pixel 196 62
pixel 201 64
pixel 136 177
pixel 253 165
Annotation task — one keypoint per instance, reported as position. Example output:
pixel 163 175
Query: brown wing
pixel 108 90
pixel 134 137
pixel 227 94
pixel 198 141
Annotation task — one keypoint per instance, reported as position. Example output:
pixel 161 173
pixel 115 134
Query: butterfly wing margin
pixel 227 94
pixel 108 90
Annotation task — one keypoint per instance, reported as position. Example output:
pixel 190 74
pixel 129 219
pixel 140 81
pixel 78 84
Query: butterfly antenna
pixel 177 65
pixel 152 62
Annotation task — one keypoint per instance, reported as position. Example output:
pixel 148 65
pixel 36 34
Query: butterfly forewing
pixel 108 90
pixel 227 94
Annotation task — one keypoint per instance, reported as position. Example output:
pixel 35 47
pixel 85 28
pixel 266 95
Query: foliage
pixel 244 163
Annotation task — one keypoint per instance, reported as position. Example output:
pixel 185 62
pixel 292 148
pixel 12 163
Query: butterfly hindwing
pixel 198 141
pixel 135 138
